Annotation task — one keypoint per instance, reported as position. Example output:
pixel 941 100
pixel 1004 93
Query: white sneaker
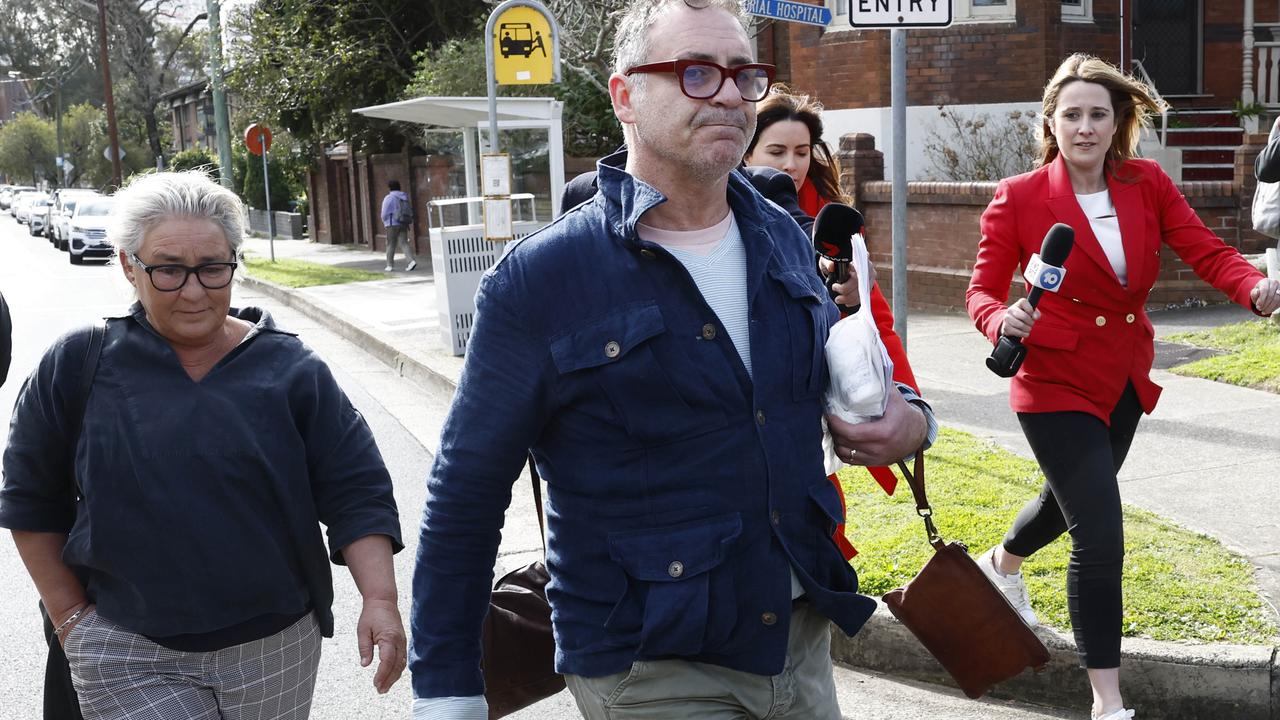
pixel 1121 714
pixel 388 268
pixel 1013 588
pixel 412 264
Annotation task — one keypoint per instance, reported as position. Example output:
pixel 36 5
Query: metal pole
pixel 57 103
pixel 898 39
pixel 266 185
pixel 216 81
pixel 492 81
pixel 117 177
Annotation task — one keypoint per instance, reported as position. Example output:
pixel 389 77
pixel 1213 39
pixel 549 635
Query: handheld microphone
pixel 833 232
pixel 1045 272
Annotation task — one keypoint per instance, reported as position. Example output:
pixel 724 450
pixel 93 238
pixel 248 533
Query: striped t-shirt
pixel 717 261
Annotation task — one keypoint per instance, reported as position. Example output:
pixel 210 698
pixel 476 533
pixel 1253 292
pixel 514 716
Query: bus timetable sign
pixel 881 14
pixel 791 11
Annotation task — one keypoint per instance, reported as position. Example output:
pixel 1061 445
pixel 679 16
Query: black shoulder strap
pixel 87 372
pixel 537 502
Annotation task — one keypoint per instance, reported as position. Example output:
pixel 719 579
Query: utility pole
pixel 117 177
pixel 216 81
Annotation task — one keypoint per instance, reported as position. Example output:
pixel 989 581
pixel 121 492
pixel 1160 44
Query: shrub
pixel 982 147
pixel 196 158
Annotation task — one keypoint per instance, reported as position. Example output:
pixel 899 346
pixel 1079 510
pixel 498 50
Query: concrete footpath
pixel 1205 459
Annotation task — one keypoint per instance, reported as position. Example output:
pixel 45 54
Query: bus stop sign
pixel 522 44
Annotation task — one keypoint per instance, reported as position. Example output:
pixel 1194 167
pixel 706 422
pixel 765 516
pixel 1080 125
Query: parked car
pixel 88 236
pixel 37 212
pixel 59 231
pixel 6 195
pixel 21 207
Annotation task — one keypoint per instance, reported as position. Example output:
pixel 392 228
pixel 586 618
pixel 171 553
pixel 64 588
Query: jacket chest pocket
pixel 648 380
pixel 680 598
pixel 807 328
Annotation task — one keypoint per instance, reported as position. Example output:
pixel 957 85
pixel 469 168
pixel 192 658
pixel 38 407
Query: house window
pixel 962 11
pixel 1077 10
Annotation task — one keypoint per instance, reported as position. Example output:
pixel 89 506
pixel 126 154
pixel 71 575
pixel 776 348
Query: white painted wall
pixel 920 120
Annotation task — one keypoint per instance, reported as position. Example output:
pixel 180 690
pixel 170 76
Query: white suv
pixel 88 234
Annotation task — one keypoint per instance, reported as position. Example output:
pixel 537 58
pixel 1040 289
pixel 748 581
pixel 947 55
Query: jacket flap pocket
pixel 828 498
pixel 1052 336
pixel 607 338
pixel 801 284
pixel 675 552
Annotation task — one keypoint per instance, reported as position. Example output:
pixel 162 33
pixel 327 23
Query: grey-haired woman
pixel 173 531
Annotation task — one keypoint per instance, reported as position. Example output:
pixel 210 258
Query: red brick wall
pixel 963 64
pixel 976 63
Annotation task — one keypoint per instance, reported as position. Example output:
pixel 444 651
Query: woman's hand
pixel 846 293
pixel 1266 296
pixel 380 626
pixel 64 630
pixel 1018 319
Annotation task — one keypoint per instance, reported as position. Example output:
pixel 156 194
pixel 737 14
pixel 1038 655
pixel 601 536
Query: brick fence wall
pixel 943 221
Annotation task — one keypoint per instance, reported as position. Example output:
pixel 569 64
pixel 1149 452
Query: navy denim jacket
pixel 680 490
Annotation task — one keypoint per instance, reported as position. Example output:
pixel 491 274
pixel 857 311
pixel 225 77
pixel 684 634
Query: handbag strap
pixel 537 502
pixel 916 481
pixel 88 369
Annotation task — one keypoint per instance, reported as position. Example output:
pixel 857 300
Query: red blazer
pixel 1093 336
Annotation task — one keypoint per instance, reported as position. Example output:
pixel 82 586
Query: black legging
pixel 1080 457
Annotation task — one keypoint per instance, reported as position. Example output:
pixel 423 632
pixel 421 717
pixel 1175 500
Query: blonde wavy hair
pixel 1132 101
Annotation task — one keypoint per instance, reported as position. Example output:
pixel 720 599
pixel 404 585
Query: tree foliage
pixel 27 148
pixel 303 65
pixel 457 67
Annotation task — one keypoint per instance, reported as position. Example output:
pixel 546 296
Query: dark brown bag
pixel 519 650
pixel 958 615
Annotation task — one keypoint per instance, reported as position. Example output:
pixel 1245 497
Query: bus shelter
pixel 531 133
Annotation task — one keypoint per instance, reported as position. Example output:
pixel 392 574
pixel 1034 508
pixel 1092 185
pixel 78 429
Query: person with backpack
pixel 397 213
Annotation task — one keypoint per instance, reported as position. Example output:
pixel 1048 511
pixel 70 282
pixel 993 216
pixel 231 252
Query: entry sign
pixel 880 14
pixel 791 11
pixel 257 138
pixel 522 51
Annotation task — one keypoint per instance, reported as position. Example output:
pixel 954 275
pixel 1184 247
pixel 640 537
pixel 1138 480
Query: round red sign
pixel 257 138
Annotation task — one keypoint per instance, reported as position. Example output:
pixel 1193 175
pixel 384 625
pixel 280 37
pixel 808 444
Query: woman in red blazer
pixel 789 138
pixel 1086 379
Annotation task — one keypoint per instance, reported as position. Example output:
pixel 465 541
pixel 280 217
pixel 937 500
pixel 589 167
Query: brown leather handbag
pixel 958 615
pixel 519 650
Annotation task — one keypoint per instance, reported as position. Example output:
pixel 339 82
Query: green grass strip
pixel 1252 359
pixel 1178 585
pixel 300 273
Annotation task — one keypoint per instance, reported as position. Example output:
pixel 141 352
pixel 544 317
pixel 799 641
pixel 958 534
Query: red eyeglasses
pixel 702 79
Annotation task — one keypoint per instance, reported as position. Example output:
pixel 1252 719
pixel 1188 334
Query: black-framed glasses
pixel 702 79
pixel 172 278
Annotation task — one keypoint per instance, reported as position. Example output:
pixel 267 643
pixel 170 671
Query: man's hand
pixel 898 434
pixel 380 625
pixel 1018 319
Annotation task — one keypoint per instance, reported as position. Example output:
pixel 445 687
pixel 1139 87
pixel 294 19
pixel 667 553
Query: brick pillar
pixel 1245 184
pixel 860 162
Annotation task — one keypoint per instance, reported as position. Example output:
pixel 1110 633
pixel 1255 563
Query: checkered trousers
pixel 120 674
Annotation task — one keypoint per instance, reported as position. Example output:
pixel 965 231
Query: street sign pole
pixel 897 16
pixel 266 184
pixel 898 93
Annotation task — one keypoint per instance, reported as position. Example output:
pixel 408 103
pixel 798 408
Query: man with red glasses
pixel 659 348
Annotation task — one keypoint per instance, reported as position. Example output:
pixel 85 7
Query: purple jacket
pixel 389 206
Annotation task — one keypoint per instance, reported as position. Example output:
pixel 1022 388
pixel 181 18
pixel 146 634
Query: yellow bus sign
pixel 523 48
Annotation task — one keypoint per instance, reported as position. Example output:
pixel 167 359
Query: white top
pixel 1106 227
pixel 717 261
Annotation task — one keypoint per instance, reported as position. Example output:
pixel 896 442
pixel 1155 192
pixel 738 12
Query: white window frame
pixel 963 12
pixel 1081 13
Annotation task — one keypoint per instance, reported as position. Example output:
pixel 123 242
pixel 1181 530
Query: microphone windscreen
pixel 1057 244
pixel 833 229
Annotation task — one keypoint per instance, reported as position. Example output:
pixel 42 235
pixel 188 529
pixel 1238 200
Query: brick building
pixel 1201 56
